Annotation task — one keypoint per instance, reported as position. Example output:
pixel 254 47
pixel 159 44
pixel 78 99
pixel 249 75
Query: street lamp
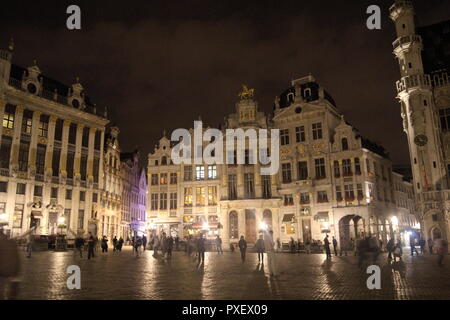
pixel 263 226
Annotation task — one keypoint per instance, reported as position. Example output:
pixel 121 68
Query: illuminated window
pixel 163 201
pixel 199 172
pixel 188 197
pixel 212 172
pixel 173 200
pixel 163 178
pixel 173 178
pixel 154 179
pixel 154 201
pixel 200 196
pixel 27 124
pixel 18 216
pixel 8 120
pixel 346 167
pixel 212 196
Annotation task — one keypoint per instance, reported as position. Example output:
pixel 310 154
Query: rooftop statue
pixel 246 92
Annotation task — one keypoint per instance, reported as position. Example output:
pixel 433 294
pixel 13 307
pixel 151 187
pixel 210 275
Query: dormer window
pixel 31 87
pixel 307 92
pixel 163 161
pixel 290 97
pixel 75 103
pixel 344 144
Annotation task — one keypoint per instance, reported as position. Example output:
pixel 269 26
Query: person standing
pixel 398 251
pixel 91 245
pixel 201 248
pixel 120 244
pixel 327 246
pixel 259 245
pixel 440 246
pixel 104 244
pixel 390 248
pixel 177 242
pixel 169 246
pixel 430 246
pixel 163 244
pixel 243 248
pixel 144 242
pixel 79 244
pixel 335 245
pixel 422 244
pixel 114 243
pixel 292 245
pixel 412 244
pixel 269 247
pixel 219 244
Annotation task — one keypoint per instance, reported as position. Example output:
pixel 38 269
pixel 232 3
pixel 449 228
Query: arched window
pixel 290 97
pixel 307 92
pixel 163 161
pixel 267 218
pixel 344 144
pixel 233 225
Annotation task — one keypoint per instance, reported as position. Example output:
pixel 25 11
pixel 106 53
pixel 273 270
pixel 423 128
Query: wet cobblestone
pixel 123 276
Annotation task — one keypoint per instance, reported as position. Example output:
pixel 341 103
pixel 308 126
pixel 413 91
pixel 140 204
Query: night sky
pixel 161 64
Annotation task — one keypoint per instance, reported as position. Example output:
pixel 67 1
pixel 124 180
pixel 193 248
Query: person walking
pixel 308 246
pixel 259 245
pixel 430 246
pixel 335 245
pixel 177 242
pixel 114 241
pixel 243 248
pixel 292 245
pixel 398 251
pixel 138 244
pixel 269 247
pixel 79 244
pixel 91 245
pixel 219 244
pixel 422 244
pixel 390 248
pixel 327 246
pixel 163 244
pixel 201 249
pixel 144 242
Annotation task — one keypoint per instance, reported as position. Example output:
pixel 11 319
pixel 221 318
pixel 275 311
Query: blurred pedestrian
pixel 137 245
pixel 201 248
pixel 430 246
pixel 398 251
pixel 335 245
pixel 412 244
pixel 79 245
pixel 120 244
pixel 269 247
pixel 169 246
pixel 219 244
pixel 144 241
pixel 292 245
pixel 440 246
pixel 390 248
pixel 327 246
pixel 104 244
pixel 114 243
pixel 177 242
pixel 260 248
pixel 242 247
pixel 91 245
pixel 422 244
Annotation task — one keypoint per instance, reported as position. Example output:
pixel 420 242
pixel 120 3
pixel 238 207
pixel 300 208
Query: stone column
pixel 33 144
pixel 77 161
pixel 49 149
pixel 14 160
pixel 241 222
pixel 240 181
pixel 100 174
pixel 90 160
pixel 63 156
pixel 257 174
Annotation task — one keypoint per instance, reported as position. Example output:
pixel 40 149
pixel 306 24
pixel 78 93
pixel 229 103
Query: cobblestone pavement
pixel 122 275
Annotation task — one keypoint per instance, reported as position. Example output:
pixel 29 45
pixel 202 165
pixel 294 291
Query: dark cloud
pixel 159 65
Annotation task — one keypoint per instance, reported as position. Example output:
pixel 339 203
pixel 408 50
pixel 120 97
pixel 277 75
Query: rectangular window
pixel 8 117
pixel 55 162
pixel 5 151
pixel 199 172
pixel 54 193
pixel 284 137
pixel 173 200
pixel 336 170
pixel 369 170
pixel 40 159
pixel 68 194
pixel 154 179
pixel 304 197
pixel 163 178
pixel 300 134
pixel 80 219
pixel 302 170
pixel 154 201
pixel 188 197
pixel 67 217
pixel 200 196
pixel 232 187
pixel 212 196
pixel 94 197
pixel 69 164
pixel 320 168
pixel 163 201
pixel 357 166
pixel 2 207
pixel 38 191
pixel 212 172
pixel 43 127
pixel 187 173
pixel 349 194
pixel 82 195
pixel 249 185
pixel 322 196
pixel 286 172
pixel 23 156
pixel 338 193
pixel 27 122
pixel 266 186
pixel 96 169
pixel 85 137
pixel 3 186
pixel 83 167
pixel 288 200
pixel 21 187
pixel 18 216
pixel 173 178
pixel 72 133
pixel 59 129
pixel 346 167
pixel 317 131
pixel 444 116
pixel 359 191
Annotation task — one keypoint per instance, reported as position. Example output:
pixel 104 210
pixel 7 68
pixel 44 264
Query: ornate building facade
pixel 51 152
pixel 424 94
pixel 330 180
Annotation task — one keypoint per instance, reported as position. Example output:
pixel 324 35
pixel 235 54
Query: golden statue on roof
pixel 246 92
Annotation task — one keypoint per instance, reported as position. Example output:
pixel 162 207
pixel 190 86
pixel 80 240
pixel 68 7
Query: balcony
pixel 414 81
pixel 398 6
pixel 406 41
pixel 4 172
